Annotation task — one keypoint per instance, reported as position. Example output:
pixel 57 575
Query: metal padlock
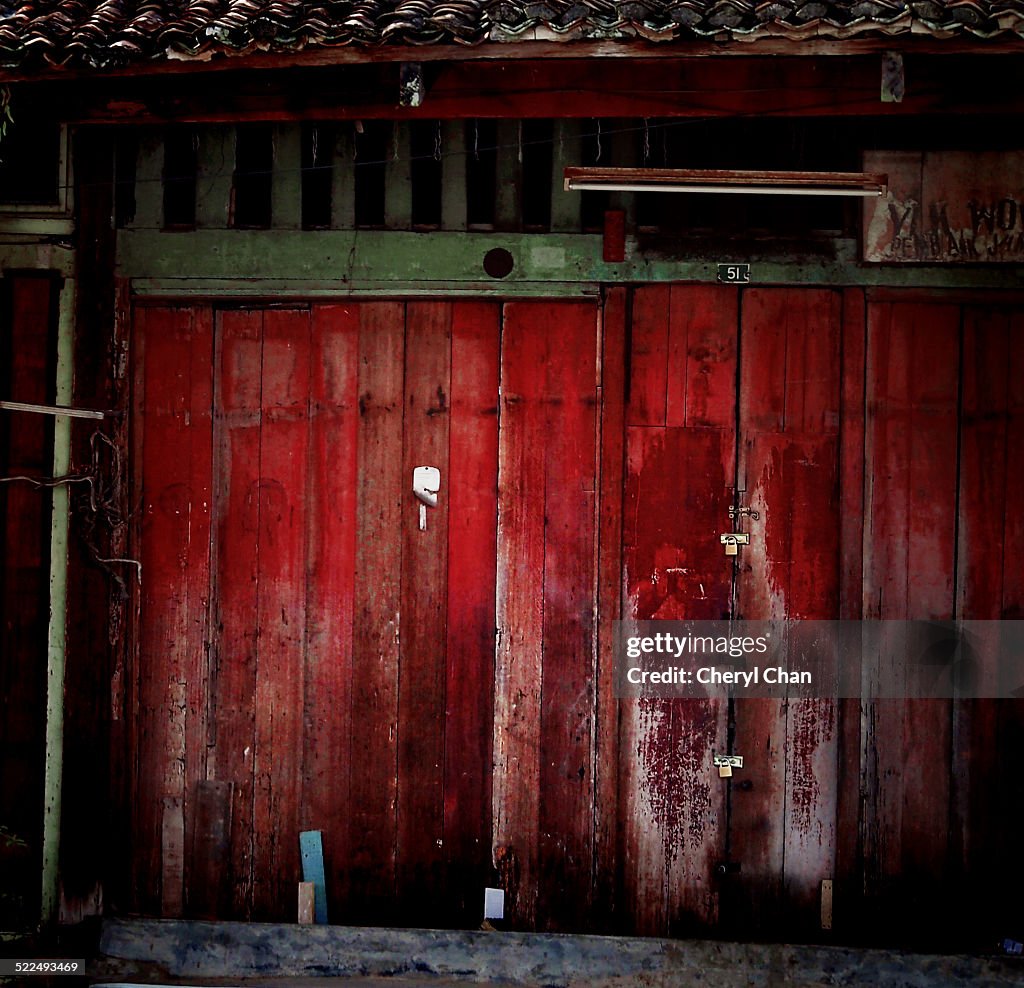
pixel 733 540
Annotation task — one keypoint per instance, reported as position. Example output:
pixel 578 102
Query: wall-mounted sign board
pixel 960 207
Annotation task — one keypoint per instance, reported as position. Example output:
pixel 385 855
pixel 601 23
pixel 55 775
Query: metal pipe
pixel 56 650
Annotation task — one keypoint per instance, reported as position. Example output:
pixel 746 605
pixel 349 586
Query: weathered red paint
pixel 677 492
pixel 911 451
pixel 331 530
pixel 543 775
pixel 472 497
pixel 350 685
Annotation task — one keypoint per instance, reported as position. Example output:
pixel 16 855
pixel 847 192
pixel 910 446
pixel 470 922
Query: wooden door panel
pixel 281 607
pixel 990 586
pixel 331 530
pixel 175 391
pixel 377 610
pixel 351 670
pixel 546 585
pixel 472 497
pixel 782 827
pixel 911 456
pixel 681 457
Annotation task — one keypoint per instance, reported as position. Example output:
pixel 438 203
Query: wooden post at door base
pixel 306 900
pixel 826 904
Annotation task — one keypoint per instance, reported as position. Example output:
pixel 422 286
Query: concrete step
pixel 271 954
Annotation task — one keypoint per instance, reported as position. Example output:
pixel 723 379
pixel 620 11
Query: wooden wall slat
pixel 376 614
pixel 281 607
pixel 472 495
pixel 848 889
pixel 567 688
pixel 424 593
pixel 648 363
pixel 677 492
pixel 909 558
pixel 609 609
pixel 783 826
pixel 176 558
pixel 331 527
pixel 235 570
pixel 986 812
pixel 520 615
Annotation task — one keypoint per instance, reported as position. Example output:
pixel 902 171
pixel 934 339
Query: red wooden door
pixel 310 658
pixel 731 392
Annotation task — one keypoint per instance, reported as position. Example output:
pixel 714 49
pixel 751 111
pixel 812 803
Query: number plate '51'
pixel 734 274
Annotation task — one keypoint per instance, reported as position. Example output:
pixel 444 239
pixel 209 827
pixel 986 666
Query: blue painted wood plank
pixel 311 846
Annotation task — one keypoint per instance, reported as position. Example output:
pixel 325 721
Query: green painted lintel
pixel 350 259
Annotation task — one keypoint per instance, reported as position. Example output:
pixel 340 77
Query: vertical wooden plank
pixel 215 165
pixel 343 207
pixel 986 811
pixel 908 574
pixel 453 188
pixel 398 181
pixel 331 529
pixel 569 438
pixel 208 892
pixel 508 191
pixel 677 491
pixel 469 627
pixel 286 181
pixel 422 674
pixel 783 828
pixel 565 206
pixel 172 887
pixel 848 884
pixel 176 464
pixel 377 606
pixel 311 845
pixel 701 369
pixel 520 615
pixel 648 367
pixel 306 903
pixel 609 605
pixel 281 608
pixel 238 416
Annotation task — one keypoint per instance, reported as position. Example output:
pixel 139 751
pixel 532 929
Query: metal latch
pixel 726 763
pixel 732 540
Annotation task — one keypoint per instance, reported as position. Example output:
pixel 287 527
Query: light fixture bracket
pixel 777 183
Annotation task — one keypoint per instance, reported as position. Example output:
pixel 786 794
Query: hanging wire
pixel 519 142
pixel 660 125
pixel 647 141
pixel 316 145
pixel 437 142
pixel 476 139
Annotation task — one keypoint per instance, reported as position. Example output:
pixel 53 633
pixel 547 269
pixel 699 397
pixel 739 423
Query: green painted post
pixel 286 182
pixel 343 193
pixel 56 646
pixel 453 175
pixel 565 206
pixel 508 210
pixel 215 172
pixel 149 188
pixel 398 180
